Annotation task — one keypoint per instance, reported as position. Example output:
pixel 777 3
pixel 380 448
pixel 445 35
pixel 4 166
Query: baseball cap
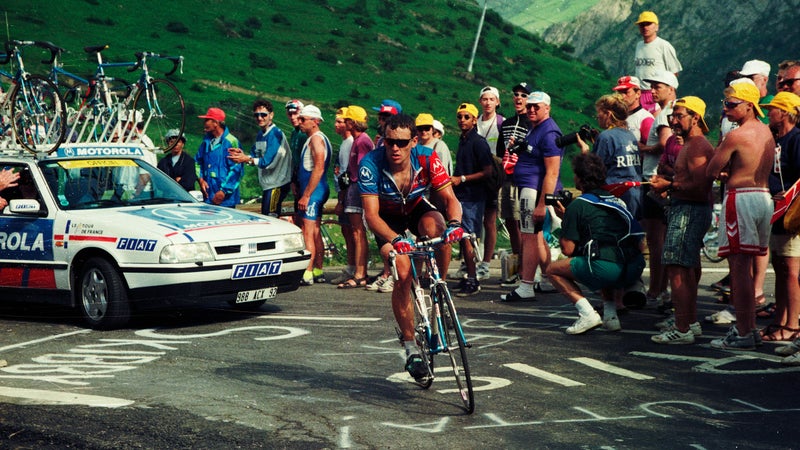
pixel 664 77
pixel 647 17
pixel 214 114
pixel 787 101
pixel 438 126
pixel 312 112
pixel 492 90
pixel 521 87
pixel 626 82
pixel 424 119
pixel 341 112
pixel 294 105
pixel 538 97
pixel 697 106
pixel 468 107
pixel 356 114
pixel 749 93
pixel 755 67
pixel 174 133
pixel 389 106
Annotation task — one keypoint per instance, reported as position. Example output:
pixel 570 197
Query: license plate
pixel 257 294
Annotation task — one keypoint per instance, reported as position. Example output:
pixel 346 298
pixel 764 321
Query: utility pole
pixel 477 37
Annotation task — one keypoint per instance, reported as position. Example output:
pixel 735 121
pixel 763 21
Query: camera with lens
pixel 564 196
pixel 587 134
pixel 518 147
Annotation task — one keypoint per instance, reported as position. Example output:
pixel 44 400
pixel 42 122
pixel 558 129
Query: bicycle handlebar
pixel 431 243
pixel 177 61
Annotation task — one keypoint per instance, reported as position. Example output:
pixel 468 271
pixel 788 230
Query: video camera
pixel 564 196
pixel 587 134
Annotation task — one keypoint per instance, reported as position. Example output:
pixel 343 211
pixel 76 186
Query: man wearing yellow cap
pixel 688 219
pixel 782 112
pixel 652 55
pixel 473 165
pixel 743 160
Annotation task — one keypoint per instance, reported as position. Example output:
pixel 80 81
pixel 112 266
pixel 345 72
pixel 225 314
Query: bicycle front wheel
pixel 39 116
pixel 456 347
pixel 163 109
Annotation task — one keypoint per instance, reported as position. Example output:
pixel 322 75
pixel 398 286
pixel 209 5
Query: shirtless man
pixel 744 160
pixel 688 219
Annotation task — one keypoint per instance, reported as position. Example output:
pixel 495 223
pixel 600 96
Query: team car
pixel 97 228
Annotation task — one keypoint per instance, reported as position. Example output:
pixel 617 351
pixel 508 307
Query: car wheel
pixel 103 299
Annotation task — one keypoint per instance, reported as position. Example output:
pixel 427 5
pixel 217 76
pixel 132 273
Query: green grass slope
pixel 327 52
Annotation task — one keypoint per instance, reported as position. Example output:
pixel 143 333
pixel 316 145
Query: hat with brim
pixel 786 101
pixel 214 114
pixel 697 106
pixel 468 107
pixel 647 17
pixel 664 77
pixel 627 82
pixel 424 119
pixel 355 113
pixel 312 112
pixel 748 93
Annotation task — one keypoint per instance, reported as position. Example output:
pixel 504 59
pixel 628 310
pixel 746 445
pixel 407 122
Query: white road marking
pixel 330 318
pixel 547 376
pixel 36 341
pixel 42 397
pixel 599 365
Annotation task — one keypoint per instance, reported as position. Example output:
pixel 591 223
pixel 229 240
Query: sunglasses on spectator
pixel 424 128
pixel 463 117
pixel 787 82
pixel 534 106
pixel 676 116
pixel 400 143
pixel 520 94
pixel 730 105
pixel 259 115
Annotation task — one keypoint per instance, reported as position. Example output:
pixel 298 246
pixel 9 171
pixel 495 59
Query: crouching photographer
pixel 603 244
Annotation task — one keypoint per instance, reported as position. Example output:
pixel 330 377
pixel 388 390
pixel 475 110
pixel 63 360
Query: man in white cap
pixel 758 71
pixel 489 127
pixel 312 187
pixel 744 160
pixel 652 55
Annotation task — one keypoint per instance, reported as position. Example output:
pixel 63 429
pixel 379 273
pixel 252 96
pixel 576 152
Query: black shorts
pixel 651 208
pixel 399 224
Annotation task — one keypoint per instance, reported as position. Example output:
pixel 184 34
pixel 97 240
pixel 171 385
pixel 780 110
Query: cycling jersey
pixel 375 179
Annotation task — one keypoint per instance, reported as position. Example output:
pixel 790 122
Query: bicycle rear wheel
pixel 456 347
pixel 39 116
pixel 163 109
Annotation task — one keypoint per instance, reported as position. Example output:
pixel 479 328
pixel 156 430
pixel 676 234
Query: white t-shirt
pixel 650 160
pixel 657 56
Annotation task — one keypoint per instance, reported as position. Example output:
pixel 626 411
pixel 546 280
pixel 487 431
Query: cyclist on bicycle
pixel 393 181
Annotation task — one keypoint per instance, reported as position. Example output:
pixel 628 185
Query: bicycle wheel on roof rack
pixel 39 116
pixel 163 109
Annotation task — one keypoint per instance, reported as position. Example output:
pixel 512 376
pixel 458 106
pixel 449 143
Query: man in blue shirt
pixel 219 176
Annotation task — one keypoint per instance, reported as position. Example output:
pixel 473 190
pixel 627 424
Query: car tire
pixel 102 297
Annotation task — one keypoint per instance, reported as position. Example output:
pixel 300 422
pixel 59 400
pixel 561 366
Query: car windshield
pixel 109 183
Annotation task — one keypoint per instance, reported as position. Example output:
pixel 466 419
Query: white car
pixel 95 227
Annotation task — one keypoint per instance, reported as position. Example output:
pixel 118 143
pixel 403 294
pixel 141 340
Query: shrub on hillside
pixel 177 27
pixel 253 22
pixel 326 57
pixel 280 19
pixel 261 61
pixel 98 21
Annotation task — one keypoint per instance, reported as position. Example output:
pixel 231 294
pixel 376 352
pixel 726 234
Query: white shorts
pixel 527 203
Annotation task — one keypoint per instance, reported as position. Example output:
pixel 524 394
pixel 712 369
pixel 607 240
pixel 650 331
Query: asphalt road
pixel 322 368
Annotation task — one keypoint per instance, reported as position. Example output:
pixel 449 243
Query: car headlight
pixel 186 253
pixel 293 242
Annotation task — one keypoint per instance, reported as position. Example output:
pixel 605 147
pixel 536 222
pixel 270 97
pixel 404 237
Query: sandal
pixel 772 337
pixel 353 283
pixel 769 330
pixel 765 311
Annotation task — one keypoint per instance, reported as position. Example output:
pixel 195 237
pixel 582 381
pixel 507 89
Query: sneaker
pixel 416 367
pixel 694 328
pixel 387 286
pixel 483 271
pixel 585 323
pixel 375 285
pixel 612 324
pixel 724 317
pixel 543 287
pixel 792 360
pixel 512 281
pixel 471 287
pixel 732 341
pixel 462 270
pixel 673 337
pixel 788 350
pixel 513 296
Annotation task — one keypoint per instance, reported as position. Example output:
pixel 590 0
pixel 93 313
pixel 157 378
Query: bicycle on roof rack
pixel 33 108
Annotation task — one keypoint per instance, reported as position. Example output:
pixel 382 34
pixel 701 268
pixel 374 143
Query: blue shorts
pixel 272 199
pixel 472 217
pixel 314 209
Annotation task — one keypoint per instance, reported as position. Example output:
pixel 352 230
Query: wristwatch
pixel 463 179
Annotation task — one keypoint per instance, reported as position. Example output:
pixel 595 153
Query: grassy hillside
pixel 537 16
pixel 327 52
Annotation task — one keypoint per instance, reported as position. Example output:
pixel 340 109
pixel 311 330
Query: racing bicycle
pixel 33 107
pixel 437 328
